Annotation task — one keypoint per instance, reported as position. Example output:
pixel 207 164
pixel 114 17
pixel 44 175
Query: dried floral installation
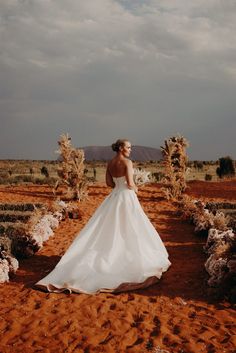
pixel 221 240
pixel 21 240
pixel 142 177
pixel 175 162
pixel 71 171
pixel 200 216
pixel 8 265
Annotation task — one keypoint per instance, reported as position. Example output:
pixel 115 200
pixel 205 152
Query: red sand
pixel 178 314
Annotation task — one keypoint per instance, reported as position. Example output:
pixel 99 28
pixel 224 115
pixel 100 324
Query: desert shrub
pixel 44 171
pixel 27 179
pixel 94 173
pixel 4 181
pixel 39 181
pixel 4 175
pixel 198 164
pixel 226 167
pixel 49 181
pixel 16 180
pixel 190 164
pixel 208 177
pixel 21 179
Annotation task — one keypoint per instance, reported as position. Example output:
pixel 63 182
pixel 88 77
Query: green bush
pixel 44 171
pixel 198 164
pixel 4 181
pixel 208 177
pixel 226 167
pixel 48 181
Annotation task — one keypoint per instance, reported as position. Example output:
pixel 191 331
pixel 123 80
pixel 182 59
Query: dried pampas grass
pixel 71 171
pixel 175 162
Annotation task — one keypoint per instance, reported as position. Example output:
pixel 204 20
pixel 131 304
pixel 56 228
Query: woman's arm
pixel 109 180
pixel 130 175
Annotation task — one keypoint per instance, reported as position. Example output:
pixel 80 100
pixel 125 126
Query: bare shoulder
pixel 110 165
pixel 128 163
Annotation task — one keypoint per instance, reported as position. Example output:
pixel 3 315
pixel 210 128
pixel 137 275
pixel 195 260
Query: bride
pixel 118 249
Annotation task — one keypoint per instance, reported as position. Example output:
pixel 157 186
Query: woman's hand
pixel 133 187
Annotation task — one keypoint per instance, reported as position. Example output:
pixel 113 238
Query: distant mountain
pixel 139 153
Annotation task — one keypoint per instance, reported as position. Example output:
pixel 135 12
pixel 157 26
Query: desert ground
pixel 179 314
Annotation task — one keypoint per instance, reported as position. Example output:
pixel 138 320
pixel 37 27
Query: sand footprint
pixel 138 319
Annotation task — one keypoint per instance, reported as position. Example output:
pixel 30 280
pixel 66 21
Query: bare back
pixel 117 167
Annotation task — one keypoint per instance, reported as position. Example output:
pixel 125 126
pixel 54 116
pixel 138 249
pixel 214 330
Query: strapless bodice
pixel 120 182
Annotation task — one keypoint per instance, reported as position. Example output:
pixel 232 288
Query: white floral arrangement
pixel 202 221
pixel 4 271
pixel 39 230
pixel 141 177
pixel 216 237
pixel 221 239
pixel 43 230
pixel 216 267
pixel 8 265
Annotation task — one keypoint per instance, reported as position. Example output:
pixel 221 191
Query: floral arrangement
pixel 200 216
pixel 8 265
pixel 71 171
pixel 27 238
pixel 141 176
pixel 221 263
pixel 221 240
pixel 175 162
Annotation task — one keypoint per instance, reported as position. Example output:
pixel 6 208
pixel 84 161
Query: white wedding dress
pixel 117 250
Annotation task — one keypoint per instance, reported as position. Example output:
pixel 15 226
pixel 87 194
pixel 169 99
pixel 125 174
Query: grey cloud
pixel 102 69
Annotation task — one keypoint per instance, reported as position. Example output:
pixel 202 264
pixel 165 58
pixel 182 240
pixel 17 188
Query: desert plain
pixel 179 314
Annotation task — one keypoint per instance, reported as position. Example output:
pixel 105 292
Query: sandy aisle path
pixel 177 314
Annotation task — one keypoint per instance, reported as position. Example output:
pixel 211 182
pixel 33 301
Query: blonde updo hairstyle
pixel 119 143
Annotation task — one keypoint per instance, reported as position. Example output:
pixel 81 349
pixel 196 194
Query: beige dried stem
pixel 175 162
pixel 71 170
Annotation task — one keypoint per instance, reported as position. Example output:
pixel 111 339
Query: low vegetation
pixel 226 167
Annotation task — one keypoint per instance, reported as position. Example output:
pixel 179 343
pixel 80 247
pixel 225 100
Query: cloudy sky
pixel 105 69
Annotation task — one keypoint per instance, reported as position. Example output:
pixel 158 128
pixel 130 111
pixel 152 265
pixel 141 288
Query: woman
pixel 118 249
